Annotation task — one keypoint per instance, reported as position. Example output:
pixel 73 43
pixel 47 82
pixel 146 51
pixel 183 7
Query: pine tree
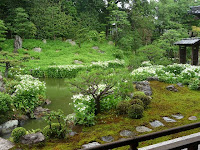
pixel 21 24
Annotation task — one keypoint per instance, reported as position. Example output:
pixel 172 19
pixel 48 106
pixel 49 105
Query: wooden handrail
pixel 133 142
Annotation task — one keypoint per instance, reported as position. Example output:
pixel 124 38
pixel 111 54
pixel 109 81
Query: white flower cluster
pixel 68 67
pixel 99 63
pixel 29 84
pixel 151 70
pixel 146 63
pixel 171 73
pixel 105 64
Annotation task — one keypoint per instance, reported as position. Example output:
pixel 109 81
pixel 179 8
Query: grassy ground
pixel 164 103
pixel 62 53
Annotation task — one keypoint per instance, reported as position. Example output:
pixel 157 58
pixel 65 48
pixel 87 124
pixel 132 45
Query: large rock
pixel 40 112
pixel 8 126
pixel 71 42
pixel 145 87
pixel 37 49
pixel 172 88
pixel 78 62
pixel 17 43
pixel 34 138
pixel 44 41
pixel 5 144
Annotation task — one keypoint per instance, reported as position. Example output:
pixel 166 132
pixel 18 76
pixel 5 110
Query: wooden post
pixel 134 146
pixel 182 54
pixel 195 55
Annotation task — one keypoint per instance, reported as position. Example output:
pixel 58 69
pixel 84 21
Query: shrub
pixel 145 99
pixel 54 131
pixel 136 101
pixel 122 107
pixel 17 133
pixel 194 84
pixel 5 103
pixel 28 93
pixel 135 111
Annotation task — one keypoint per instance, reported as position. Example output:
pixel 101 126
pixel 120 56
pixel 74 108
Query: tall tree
pixel 21 24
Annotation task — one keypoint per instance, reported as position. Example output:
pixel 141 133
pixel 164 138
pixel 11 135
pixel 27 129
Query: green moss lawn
pixel 164 103
pixel 62 53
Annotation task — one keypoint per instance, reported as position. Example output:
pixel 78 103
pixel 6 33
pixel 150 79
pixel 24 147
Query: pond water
pixel 60 96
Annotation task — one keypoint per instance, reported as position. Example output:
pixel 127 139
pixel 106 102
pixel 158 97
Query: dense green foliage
pixel 17 133
pixel 135 111
pixel 5 103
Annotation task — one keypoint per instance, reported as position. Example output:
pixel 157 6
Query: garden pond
pixel 60 96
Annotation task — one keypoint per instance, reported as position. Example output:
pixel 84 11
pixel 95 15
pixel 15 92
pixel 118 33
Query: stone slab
pixel 167 119
pixel 156 124
pixel 90 145
pixel 107 138
pixel 127 133
pixel 178 116
pixel 143 129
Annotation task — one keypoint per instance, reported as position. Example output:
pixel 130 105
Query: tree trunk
pixel 98 109
pixel 7 68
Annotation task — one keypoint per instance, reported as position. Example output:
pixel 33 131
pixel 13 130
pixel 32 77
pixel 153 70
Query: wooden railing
pixel 134 142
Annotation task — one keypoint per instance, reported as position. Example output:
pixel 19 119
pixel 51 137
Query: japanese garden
pixel 75 74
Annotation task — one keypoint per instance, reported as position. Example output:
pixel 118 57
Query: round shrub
pixel 136 101
pixel 138 95
pixel 17 133
pixel 55 131
pixel 122 107
pixel 5 103
pixel 135 111
pixel 145 99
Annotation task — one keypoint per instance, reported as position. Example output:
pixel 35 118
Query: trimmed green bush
pixel 17 133
pixel 5 103
pixel 55 131
pixel 135 111
pixel 122 107
pixel 145 99
pixel 136 101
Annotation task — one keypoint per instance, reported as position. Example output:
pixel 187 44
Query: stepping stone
pixel 192 118
pixel 127 133
pixel 107 138
pixel 156 123
pixel 167 119
pixel 178 116
pixel 90 145
pixel 143 129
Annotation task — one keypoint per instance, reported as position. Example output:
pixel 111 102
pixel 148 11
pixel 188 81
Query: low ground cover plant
pixel 183 73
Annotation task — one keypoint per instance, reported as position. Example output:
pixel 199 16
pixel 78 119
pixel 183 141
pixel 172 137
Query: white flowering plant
pixel 68 71
pixel 183 73
pixel 29 93
pixel 84 108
